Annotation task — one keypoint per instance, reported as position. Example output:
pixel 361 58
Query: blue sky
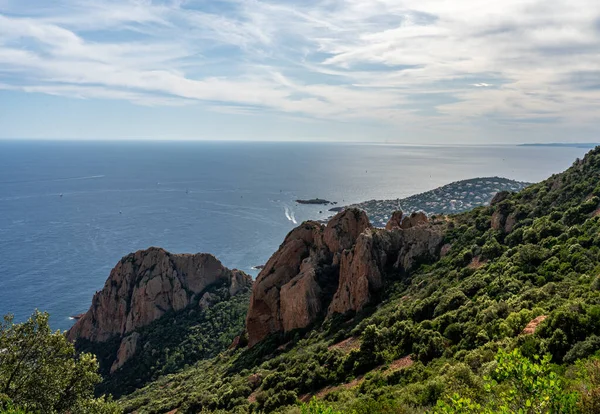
pixel 411 71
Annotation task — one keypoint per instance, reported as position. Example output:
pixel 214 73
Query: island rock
pixel 315 201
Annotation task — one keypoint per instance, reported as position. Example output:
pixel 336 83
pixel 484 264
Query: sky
pixel 406 71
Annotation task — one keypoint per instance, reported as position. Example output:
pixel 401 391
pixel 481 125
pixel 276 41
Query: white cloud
pixel 422 62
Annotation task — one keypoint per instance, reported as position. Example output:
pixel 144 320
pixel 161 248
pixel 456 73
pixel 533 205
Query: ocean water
pixel 232 199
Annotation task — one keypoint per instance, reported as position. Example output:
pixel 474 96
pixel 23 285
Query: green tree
pixel 528 387
pixel 317 407
pixel 40 371
pixel 517 385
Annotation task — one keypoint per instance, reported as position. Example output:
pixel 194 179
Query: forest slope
pixel 520 279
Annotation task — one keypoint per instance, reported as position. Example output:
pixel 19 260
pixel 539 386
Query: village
pixel 455 197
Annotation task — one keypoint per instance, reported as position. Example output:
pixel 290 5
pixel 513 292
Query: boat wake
pixel 88 177
pixel 290 215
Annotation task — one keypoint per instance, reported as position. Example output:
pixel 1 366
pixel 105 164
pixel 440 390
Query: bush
pixel 583 349
pixel 317 407
pixel 40 371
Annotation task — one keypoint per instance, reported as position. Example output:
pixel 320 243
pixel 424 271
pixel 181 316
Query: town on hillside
pixel 455 197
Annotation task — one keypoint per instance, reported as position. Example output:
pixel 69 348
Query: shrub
pixel 40 371
pixel 317 407
pixel 583 349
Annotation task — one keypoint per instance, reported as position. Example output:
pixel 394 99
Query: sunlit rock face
pixel 322 270
pixel 145 285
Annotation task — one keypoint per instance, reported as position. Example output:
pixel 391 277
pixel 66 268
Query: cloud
pixel 347 60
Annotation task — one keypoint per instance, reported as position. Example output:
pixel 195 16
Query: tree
pixel 517 385
pixel 317 407
pixel 531 387
pixel 40 371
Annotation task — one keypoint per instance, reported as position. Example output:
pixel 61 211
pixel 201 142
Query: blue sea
pixel 70 210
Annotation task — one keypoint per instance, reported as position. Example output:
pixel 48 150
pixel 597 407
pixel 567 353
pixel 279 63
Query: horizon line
pixel 308 141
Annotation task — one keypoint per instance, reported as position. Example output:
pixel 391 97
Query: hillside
pixel 519 279
pixel 158 313
pixel 456 197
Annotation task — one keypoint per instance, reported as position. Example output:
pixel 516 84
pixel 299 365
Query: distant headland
pixel 563 144
pixel 455 197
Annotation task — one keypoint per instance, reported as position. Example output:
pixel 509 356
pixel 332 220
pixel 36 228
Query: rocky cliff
pixel 145 285
pixel 322 270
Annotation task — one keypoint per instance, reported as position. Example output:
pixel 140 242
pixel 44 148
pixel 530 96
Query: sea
pixel 69 210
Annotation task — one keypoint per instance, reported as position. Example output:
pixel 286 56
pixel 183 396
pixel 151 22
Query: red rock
pixel 127 349
pixel 319 271
pixel 359 276
pixel 235 343
pixel 416 219
pixel 498 220
pixel 395 222
pixel 264 314
pixel 511 220
pixel 300 302
pixel 533 324
pixel 344 228
pixel 146 284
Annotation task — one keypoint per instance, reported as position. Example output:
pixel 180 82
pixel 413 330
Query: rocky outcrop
pixel 145 285
pixel 400 221
pixel 359 277
pixel 127 349
pixel 343 229
pixel 414 220
pixel 499 197
pixel 322 270
pixel 264 315
pixel 503 216
pixel 395 222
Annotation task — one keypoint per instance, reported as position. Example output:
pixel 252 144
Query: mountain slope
pixel 520 274
pixel 456 197
pixel 159 312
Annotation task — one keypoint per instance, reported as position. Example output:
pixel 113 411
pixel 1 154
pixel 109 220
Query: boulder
pixel 206 301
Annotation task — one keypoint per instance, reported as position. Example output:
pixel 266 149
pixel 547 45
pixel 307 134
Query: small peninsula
pixel 456 197
pixel 589 145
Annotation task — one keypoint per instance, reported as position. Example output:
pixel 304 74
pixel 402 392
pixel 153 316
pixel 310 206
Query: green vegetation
pixel 507 321
pixel 458 325
pixel 173 342
pixel 40 373
pixel 517 384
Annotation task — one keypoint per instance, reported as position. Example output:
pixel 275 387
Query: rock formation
pixel 127 349
pixel 400 221
pixel 502 217
pixel 322 270
pixel 499 197
pixel 145 285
